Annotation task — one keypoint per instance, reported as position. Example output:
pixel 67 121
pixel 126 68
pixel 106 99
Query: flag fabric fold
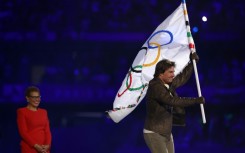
pixel 168 41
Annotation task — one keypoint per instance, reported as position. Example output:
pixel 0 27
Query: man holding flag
pixel 168 52
pixel 171 40
pixel 164 107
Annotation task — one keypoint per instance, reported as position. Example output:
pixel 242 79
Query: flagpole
pixel 192 48
pixel 199 91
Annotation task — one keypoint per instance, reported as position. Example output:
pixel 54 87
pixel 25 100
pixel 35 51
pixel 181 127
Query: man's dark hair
pixel 31 89
pixel 162 66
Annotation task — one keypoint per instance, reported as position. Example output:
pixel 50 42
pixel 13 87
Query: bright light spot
pixel 204 18
pixel 195 29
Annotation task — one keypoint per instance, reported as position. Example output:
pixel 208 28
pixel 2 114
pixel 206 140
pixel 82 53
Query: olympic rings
pixel 129 77
pixel 161 31
pixel 157 58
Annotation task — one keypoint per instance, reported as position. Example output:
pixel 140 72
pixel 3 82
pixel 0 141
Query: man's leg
pixel 158 143
pixel 170 145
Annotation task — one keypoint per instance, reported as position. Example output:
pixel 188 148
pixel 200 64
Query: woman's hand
pixel 45 148
pixel 39 148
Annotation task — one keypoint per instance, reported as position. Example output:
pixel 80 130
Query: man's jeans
pixel 158 143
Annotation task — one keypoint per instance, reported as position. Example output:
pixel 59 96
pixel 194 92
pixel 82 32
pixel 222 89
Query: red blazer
pixel 33 128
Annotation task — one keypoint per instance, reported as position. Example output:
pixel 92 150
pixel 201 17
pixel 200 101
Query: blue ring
pixel 168 32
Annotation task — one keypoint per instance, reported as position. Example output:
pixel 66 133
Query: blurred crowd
pixel 102 64
pixel 28 25
pixel 58 20
pixel 99 70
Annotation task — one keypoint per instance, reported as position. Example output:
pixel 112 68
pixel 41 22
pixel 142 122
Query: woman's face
pixel 34 99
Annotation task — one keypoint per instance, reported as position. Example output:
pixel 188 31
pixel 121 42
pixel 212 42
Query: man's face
pixel 168 76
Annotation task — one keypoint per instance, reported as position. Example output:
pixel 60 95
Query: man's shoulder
pixel 156 85
pixel 154 80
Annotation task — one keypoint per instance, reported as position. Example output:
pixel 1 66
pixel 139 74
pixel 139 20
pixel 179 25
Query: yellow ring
pixel 158 55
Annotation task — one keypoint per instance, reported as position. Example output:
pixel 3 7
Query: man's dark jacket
pixel 165 109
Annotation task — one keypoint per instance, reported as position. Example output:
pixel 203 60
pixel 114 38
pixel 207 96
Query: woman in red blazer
pixel 33 124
